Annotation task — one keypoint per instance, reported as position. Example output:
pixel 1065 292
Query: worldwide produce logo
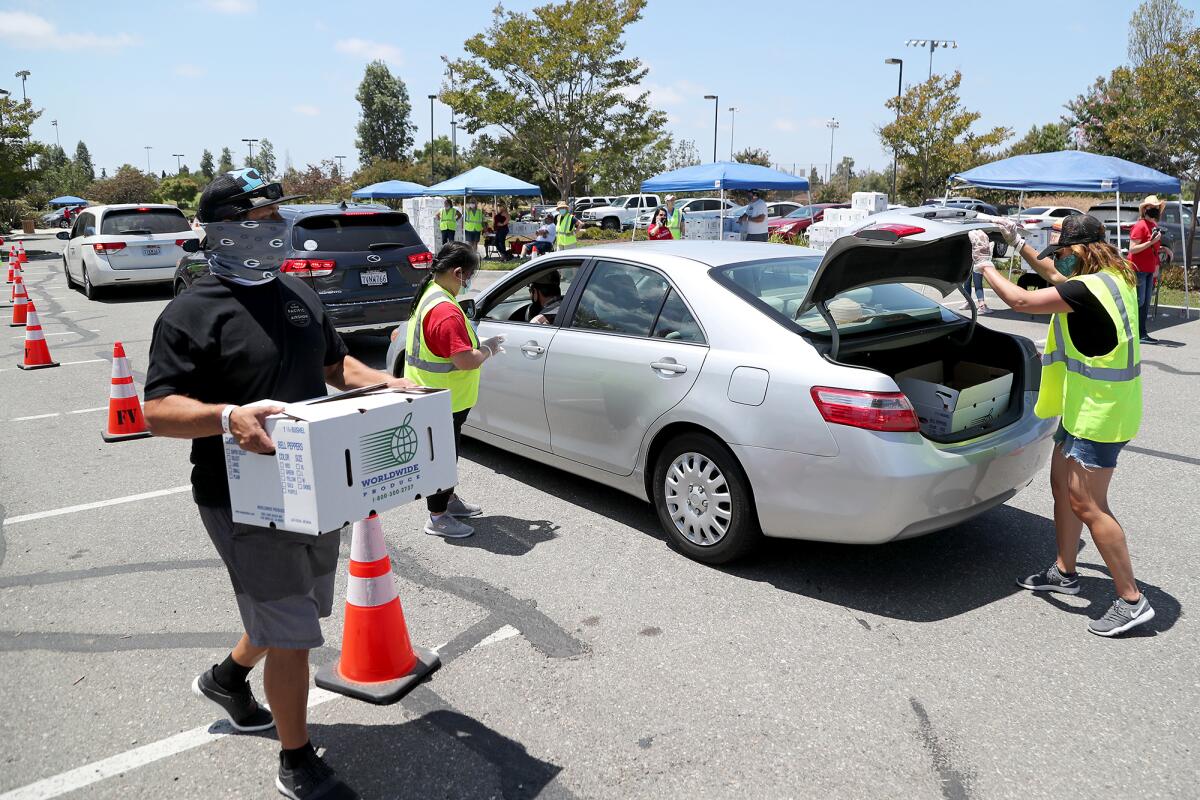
pixel 386 449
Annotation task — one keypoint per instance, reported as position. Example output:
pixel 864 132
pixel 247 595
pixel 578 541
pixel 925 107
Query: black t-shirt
pixel 1089 325
pixel 221 342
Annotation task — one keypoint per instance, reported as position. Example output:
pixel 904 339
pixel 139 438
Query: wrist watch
pixel 226 412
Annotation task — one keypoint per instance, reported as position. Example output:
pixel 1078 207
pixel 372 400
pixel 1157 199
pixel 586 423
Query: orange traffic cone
pixel 21 306
pixel 21 257
pixel 125 419
pixel 13 261
pixel 378 663
pixel 18 280
pixel 37 354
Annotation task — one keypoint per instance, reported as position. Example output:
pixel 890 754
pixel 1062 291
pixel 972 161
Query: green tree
pixel 206 165
pixel 384 130
pixel 1049 138
pixel 1154 25
pixel 226 162
pixel 83 162
pixel 17 152
pixel 265 159
pixel 319 182
pixel 554 80
pixel 417 170
pixel 634 147
pixel 753 155
pixel 932 136
pixel 128 185
pixel 179 189
pixel 682 154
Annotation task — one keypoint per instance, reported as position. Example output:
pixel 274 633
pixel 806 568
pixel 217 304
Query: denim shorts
pixel 1091 455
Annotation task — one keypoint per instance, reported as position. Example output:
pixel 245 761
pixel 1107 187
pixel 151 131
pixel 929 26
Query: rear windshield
pixel 1109 213
pixel 353 232
pixel 150 220
pixel 1037 210
pixel 778 287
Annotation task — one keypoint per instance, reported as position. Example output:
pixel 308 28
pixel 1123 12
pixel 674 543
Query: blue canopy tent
pixel 483 181
pixel 1077 171
pixel 68 200
pixel 724 175
pixel 389 190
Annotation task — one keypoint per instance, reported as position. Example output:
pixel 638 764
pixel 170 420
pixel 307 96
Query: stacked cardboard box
pixel 871 202
pixel 423 214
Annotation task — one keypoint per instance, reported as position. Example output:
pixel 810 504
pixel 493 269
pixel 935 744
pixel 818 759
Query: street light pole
pixel 341 165
pixel 899 88
pixel 933 44
pixel 833 125
pixel 432 177
pixel 250 143
pixel 453 140
pixel 716 104
pixel 57 141
pixel 148 149
pixel 23 74
pixel 178 162
pixel 732 120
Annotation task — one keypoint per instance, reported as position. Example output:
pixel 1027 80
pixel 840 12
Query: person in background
pixel 500 232
pixel 755 217
pixel 473 223
pixel 975 280
pixel 675 220
pixel 443 352
pixel 566 227
pixel 544 241
pixel 1091 379
pixel 545 296
pixel 1145 246
pixel 660 225
pixel 448 219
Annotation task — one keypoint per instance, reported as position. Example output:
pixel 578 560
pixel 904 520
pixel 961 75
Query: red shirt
pixel 445 330
pixel 660 232
pixel 1147 260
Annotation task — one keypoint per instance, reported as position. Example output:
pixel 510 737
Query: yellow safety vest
pixel 674 222
pixel 426 368
pixel 447 221
pixel 566 229
pixel 1098 397
pixel 473 220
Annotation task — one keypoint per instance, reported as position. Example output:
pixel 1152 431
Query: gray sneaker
pixel 1122 616
pixel 457 507
pixel 1050 580
pixel 448 527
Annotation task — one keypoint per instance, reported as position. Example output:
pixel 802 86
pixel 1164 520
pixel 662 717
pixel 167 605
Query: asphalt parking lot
pixel 581 656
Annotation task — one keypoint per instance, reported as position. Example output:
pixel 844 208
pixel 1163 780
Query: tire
pixel 70 281
pixel 90 291
pixel 178 289
pixel 398 369
pixel 700 525
pixel 611 224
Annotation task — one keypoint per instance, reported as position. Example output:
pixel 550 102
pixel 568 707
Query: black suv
pixel 364 261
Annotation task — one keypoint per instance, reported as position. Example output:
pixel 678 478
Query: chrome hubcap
pixel 697 498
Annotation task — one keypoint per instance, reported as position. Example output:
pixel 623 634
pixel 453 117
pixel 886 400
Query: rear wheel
pixel 703 500
pixel 90 291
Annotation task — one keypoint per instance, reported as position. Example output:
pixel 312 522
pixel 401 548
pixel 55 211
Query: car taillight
pixel 873 411
pixel 308 267
pixel 104 248
pixel 420 260
pixel 179 242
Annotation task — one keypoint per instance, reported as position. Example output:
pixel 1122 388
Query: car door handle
pixel 668 366
pixel 532 349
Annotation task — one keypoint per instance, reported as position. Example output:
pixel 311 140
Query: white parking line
pixel 59 414
pixel 70 781
pixel 66 363
pixel 35 416
pixel 507 632
pixel 61 333
pixel 55 512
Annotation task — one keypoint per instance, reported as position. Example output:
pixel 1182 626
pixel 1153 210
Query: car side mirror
pixel 468 307
pixel 191 245
pixel 64 235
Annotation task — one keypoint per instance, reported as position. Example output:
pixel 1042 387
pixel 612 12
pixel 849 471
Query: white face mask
pixel 466 285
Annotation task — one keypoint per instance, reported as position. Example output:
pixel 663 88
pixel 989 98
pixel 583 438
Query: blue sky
pixel 188 74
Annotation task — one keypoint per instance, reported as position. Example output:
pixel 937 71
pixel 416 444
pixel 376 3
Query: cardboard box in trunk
pixel 971 395
pixel 339 459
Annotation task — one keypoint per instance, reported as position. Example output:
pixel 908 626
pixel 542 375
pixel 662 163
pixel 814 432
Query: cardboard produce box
pixel 971 395
pixel 339 458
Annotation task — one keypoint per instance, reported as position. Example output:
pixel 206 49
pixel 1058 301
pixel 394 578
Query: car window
pixel 675 323
pixel 154 220
pixel 1061 212
pixel 514 303
pixel 1037 210
pixel 77 228
pixel 354 231
pixel 621 298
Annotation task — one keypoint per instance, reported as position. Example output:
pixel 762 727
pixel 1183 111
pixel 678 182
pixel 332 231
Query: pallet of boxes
pixel 423 214
pixel 837 222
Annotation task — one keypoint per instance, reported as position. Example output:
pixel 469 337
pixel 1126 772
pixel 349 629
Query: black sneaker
pixel 312 780
pixel 244 712
pixel 1050 580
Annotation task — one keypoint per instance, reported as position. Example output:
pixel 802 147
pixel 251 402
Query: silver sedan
pixel 748 389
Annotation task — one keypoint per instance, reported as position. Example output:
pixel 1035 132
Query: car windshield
pixel 778 287
pixel 622 201
pixel 154 220
pixel 353 231
pixel 803 212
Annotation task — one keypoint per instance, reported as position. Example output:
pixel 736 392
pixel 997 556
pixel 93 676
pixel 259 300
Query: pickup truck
pixel 621 214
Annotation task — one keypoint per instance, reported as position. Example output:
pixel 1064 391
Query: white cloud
pixel 369 50
pixel 188 70
pixel 785 125
pixel 306 110
pixel 232 6
pixel 32 32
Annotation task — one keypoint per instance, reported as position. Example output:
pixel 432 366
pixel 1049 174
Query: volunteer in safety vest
pixel 443 352
pixel 448 219
pixel 675 222
pixel 566 228
pixel 1091 378
pixel 473 223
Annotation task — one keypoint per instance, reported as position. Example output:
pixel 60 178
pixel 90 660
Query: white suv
pixel 621 213
pixel 129 243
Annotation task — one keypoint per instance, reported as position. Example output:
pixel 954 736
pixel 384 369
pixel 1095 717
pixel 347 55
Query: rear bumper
pixel 105 275
pixel 370 314
pixel 882 487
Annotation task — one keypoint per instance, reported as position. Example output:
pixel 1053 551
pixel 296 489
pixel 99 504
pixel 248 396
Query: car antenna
pixel 342 205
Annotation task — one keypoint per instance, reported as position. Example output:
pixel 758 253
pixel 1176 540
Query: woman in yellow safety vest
pixel 473 223
pixel 566 227
pixel 1091 378
pixel 443 352
pixel 448 219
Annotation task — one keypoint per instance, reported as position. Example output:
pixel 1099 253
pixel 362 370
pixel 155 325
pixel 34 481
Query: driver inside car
pixel 545 296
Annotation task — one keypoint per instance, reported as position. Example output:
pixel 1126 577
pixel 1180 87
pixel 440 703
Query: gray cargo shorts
pixel 283 581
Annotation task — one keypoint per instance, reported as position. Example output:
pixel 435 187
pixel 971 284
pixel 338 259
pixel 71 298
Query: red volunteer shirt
pixel 445 330
pixel 1147 260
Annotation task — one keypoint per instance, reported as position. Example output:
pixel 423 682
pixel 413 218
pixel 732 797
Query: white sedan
pixel 119 244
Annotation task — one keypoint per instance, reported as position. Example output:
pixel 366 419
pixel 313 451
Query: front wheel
pixel 611 224
pixel 703 500
pixel 67 274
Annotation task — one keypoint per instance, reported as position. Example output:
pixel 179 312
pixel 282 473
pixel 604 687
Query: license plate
pixel 152 249
pixel 373 277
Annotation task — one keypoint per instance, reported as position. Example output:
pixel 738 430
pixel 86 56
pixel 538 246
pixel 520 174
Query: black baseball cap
pixel 232 194
pixel 1077 229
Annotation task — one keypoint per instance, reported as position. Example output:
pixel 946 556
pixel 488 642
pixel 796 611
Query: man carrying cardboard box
pixel 243 333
